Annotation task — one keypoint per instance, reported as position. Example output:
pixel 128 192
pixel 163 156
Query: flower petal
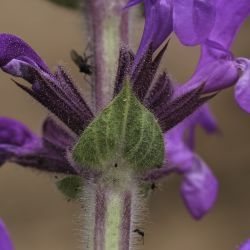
pixel 193 20
pixel 18 144
pixel 199 186
pixel 207 120
pixel 5 242
pixel 242 88
pixel 217 66
pixel 217 75
pixel 19 59
pixel 199 189
pixel 16 139
pixel 178 153
pixel 158 24
pixel 19 68
pixel 245 245
pixel 229 17
pixel 179 149
pixel 12 47
pixel 132 3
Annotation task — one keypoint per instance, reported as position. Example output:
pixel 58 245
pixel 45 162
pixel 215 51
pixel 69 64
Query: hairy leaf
pixel 124 135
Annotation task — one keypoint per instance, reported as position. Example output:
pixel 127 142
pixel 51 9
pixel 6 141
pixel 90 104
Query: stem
pixel 113 220
pixel 108 29
pixel 109 218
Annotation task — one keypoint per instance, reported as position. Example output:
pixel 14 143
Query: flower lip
pixel 199 186
pixel 199 189
pixel 13 133
pixel 12 47
pixel 193 20
pixel 19 145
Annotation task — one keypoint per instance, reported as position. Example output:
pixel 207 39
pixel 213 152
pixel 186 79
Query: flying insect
pixel 82 62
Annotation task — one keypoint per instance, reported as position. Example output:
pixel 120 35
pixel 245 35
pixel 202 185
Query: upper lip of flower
pixel 191 20
pixel 217 64
pixel 202 23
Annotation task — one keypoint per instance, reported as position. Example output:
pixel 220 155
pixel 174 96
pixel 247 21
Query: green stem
pixel 109 217
pixel 108 26
pixel 113 221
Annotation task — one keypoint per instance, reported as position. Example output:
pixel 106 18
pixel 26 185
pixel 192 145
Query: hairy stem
pixel 108 26
pixel 109 218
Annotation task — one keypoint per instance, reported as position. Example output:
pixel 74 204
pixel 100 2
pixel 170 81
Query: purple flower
pixel 213 24
pixel 58 93
pixel 199 186
pixel 245 245
pixel 217 66
pixel 18 144
pixel 158 23
pixel 191 20
pixel 16 140
pixel 5 242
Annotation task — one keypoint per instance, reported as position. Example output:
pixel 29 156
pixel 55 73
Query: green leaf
pixel 125 134
pixel 71 186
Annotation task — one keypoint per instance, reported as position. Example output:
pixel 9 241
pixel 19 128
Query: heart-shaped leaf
pixel 125 134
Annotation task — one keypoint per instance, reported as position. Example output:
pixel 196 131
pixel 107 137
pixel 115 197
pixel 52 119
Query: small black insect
pixel 140 232
pixel 153 186
pixel 116 165
pixel 82 62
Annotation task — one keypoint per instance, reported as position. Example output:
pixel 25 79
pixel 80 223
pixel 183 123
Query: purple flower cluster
pixel 58 94
pixel 213 25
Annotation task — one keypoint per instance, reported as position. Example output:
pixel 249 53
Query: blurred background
pixel 38 216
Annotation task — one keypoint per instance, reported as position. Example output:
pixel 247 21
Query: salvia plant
pixel 139 126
